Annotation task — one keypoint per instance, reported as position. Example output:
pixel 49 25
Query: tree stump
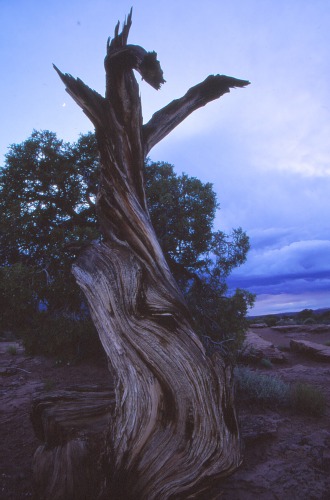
pixel 173 432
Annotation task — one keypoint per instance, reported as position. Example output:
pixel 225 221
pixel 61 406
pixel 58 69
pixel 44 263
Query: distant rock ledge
pixel 302 328
pixel 256 347
pixel 317 351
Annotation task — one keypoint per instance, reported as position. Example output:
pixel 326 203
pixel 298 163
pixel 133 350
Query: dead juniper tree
pixel 173 432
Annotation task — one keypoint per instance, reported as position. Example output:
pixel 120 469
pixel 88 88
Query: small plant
pixel 63 338
pixel 266 363
pixel 308 400
pixel 309 321
pixel 272 392
pixel 12 349
pixel 265 389
pixel 270 320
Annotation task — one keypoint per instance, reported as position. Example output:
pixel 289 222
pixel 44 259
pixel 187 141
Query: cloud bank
pixel 286 276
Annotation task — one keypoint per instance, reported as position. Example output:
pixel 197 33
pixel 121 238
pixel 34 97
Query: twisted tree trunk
pixel 173 432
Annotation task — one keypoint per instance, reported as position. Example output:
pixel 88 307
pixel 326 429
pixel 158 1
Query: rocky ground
pixel 286 455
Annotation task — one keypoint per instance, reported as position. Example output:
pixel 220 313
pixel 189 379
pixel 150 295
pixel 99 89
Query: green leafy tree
pixel 182 210
pixel 324 317
pixel 305 315
pixel 270 319
pixel 17 295
pixel 47 202
pixel 47 192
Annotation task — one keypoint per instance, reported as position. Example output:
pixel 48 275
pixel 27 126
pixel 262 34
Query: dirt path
pixel 286 456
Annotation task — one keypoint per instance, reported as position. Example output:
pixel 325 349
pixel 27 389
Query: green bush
pixel 305 314
pixel 324 317
pixel 271 392
pixel 266 363
pixel 17 295
pixel 309 321
pixel 67 339
pixel 265 389
pixel 270 320
pixel 307 399
pixel 12 349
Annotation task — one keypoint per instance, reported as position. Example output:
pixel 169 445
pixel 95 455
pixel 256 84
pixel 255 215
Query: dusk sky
pixel 265 148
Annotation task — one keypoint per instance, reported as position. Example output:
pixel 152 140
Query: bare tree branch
pixel 167 118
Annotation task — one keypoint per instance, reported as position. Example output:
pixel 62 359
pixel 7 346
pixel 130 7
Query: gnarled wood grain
pixel 174 431
pixel 175 410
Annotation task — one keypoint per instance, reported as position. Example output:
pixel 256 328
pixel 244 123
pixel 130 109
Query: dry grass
pixel 272 392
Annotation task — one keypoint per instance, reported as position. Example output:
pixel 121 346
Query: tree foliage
pixel 47 204
pixel 182 210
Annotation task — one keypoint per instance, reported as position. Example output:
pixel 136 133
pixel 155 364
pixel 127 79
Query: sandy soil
pixel 286 456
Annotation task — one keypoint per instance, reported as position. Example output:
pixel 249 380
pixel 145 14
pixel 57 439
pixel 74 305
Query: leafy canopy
pixel 182 211
pixel 46 201
pixel 48 190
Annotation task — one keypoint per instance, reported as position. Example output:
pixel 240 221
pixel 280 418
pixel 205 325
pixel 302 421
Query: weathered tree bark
pixel 173 432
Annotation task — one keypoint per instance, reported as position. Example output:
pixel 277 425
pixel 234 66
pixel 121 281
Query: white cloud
pixel 288 278
pixel 287 129
pixel 280 303
pixel 299 257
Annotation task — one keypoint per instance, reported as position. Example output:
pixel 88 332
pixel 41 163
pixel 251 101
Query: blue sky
pixel 265 148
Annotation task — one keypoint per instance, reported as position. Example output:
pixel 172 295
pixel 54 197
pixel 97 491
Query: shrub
pixel 309 321
pixel 324 317
pixel 307 399
pixel 271 392
pixel 304 315
pixel 18 300
pixel 63 337
pixel 264 389
pixel 266 363
pixel 270 320
pixel 12 349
